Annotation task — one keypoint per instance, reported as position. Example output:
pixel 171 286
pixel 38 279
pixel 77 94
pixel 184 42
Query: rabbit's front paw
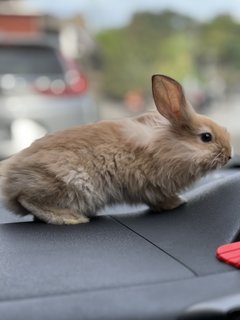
pixel 168 204
pixel 172 203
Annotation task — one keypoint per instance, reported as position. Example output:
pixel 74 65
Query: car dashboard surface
pixel 127 263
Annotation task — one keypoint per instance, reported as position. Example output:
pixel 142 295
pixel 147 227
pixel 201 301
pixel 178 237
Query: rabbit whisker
pixel 215 160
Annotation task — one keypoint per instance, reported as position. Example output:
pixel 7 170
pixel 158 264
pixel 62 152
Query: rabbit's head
pixel 191 137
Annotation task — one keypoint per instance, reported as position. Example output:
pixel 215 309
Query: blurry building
pixel 19 20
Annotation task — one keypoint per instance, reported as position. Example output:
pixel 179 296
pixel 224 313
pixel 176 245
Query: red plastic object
pixel 230 254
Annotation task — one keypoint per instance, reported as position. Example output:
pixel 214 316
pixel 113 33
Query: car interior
pixel 69 63
pixel 128 262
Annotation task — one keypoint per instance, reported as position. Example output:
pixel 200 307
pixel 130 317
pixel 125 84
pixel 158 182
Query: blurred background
pixel 69 62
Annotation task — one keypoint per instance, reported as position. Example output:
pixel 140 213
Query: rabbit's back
pixel 82 168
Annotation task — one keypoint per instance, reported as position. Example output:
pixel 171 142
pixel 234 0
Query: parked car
pixel 40 92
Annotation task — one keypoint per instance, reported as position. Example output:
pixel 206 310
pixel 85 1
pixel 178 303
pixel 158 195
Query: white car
pixel 40 92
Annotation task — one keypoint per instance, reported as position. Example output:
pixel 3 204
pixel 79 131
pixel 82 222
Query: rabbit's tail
pixel 10 199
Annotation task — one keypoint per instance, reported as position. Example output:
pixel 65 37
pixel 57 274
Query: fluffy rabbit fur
pixel 66 177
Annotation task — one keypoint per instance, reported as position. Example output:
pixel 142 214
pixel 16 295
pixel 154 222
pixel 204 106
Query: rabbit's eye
pixel 206 137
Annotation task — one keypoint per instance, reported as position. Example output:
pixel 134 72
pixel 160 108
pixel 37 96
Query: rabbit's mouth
pixel 220 160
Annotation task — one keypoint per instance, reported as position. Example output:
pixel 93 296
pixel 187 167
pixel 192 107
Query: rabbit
pixel 67 177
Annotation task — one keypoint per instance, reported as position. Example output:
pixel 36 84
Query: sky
pixel 101 14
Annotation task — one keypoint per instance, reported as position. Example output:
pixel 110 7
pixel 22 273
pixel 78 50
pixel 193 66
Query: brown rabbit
pixel 66 177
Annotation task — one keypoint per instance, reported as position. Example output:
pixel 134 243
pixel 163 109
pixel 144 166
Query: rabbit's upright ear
pixel 170 99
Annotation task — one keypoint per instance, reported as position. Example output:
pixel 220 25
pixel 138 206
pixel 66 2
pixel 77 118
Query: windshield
pixel 32 60
pixel 109 51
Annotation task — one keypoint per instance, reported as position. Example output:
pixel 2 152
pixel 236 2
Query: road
pixel 227 113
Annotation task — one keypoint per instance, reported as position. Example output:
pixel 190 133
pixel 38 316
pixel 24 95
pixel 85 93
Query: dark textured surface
pixel 39 259
pixel 193 232
pixel 163 301
pixel 132 264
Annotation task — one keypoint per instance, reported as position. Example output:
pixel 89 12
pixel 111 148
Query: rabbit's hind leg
pixel 53 215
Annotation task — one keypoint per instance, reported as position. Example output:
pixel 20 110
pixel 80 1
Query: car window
pixel 28 60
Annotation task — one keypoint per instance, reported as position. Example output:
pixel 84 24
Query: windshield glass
pixel 109 51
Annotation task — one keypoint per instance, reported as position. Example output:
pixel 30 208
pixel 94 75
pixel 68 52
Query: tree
pixel 167 43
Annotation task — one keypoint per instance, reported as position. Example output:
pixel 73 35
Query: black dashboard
pixel 127 263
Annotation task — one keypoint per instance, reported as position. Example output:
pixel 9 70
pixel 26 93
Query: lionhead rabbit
pixel 66 177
